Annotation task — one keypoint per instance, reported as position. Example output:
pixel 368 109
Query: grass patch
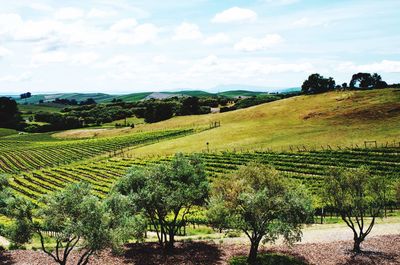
pixel 6 132
pixel 268 259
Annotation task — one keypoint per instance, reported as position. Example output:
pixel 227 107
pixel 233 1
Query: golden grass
pixel 335 118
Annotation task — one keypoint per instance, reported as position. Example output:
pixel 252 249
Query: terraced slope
pixel 308 167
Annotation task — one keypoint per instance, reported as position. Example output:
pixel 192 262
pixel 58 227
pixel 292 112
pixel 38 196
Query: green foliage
pixel 9 116
pixel 77 216
pixel 317 84
pixel 356 194
pixel 263 204
pixel 366 80
pixel 166 193
pixel 268 259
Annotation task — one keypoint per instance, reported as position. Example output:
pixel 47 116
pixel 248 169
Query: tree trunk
pixel 357 244
pixel 252 258
pixel 170 243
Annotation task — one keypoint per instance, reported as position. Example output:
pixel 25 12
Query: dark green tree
pixel 317 84
pixel 9 115
pixel 366 80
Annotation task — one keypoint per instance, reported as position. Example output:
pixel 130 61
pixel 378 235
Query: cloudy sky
pixel 123 46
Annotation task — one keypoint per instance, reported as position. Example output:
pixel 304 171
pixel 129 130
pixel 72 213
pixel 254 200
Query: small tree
pixel 357 196
pixel 79 218
pixel 166 193
pixel 263 204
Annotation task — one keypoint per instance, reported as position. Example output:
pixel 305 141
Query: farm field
pixel 307 167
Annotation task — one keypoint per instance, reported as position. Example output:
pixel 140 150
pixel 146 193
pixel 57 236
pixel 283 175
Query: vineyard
pixel 308 167
pixel 31 152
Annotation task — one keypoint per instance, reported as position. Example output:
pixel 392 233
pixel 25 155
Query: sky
pixel 123 46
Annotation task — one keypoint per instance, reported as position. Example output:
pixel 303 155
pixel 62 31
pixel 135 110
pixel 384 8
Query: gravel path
pixel 321 233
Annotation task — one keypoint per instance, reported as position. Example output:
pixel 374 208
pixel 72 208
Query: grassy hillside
pixel 45 107
pixel 6 132
pixel 237 93
pixel 132 97
pixel 336 118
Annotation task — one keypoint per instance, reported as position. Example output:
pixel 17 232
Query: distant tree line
pixel 316 83
pixel 73 102
pixel 9 114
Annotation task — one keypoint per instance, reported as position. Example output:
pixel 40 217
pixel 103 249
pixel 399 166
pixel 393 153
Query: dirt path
pixel 330 233
pixel 4 242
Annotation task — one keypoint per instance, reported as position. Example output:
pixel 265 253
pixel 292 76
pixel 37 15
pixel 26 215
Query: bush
pixel 268 259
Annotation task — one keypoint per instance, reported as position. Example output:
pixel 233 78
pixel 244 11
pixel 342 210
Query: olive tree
pixel 166 193
pixel 263 204
pixel 359 197
pixel 81 220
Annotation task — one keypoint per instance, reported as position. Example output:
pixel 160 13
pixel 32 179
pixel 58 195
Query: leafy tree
pixel 78 218
pixel 366 80
pixel 190 106
pixel 25 95
pixel 158 111
pixel 166 193
pixel 316 83
pixel 263 204
pixel 9 116
pixel 357 196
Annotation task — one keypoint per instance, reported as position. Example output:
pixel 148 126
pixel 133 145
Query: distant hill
pixel 98 97
pixel 238 93
pixel 132 97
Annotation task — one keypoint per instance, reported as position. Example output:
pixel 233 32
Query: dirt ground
pixel 382 250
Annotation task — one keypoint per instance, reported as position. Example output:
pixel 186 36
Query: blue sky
pixel 122 46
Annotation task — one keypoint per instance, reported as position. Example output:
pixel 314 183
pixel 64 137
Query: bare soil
pixel 382 250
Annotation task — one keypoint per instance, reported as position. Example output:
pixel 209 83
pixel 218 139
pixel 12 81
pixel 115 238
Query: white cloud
pixel 84 58
pixel 4 52
pixel 385 66
pixel 160 59
pixel 80 58
pixel 124 25
pixel 225 70
pixel 40 7
pixel 141 34
pixel 36 30
pixel 49 57
pixel 9 23
pixel 187 31
pixel 219 38
pixel 99 13
pixel 69 13
pixel 250 44
pixel 16 78
pixel 235 14
pixel 282 2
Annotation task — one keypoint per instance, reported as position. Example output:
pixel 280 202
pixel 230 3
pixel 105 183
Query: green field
pixel 6 132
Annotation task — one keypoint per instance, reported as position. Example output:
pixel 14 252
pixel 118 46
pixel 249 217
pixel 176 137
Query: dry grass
pixel 335 118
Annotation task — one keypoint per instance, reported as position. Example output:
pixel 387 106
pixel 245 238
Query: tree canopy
pixel 366 80
pixel 166 193
pixel 263 204
pixel 357 196
pixel 316 83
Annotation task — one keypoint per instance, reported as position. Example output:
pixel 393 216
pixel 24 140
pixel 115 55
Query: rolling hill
pixel 98 97
pixel 334 118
